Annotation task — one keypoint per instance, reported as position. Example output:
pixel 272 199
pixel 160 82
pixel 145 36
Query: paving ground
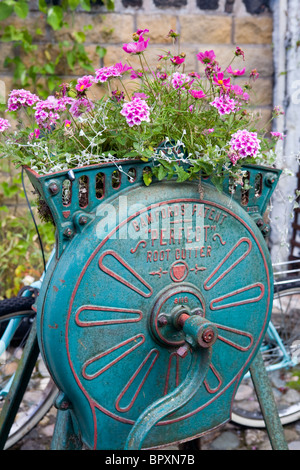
pixel 229 437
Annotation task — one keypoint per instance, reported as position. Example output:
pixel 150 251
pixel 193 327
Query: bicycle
pixel 281 353
pixel 16 320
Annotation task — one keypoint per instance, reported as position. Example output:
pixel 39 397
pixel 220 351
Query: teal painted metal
pixel 126 265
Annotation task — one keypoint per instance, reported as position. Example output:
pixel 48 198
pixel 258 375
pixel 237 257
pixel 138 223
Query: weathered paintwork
pixel 126 266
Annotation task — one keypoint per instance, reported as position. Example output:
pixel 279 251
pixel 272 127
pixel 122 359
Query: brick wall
pixel 203 24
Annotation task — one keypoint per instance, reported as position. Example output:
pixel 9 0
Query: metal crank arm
pixel 201 334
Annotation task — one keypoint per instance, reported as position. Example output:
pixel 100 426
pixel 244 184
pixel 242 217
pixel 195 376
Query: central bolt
pixel 208 335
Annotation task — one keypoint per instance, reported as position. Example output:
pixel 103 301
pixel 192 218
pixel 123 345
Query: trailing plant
pixel 21 260
pixel 186 124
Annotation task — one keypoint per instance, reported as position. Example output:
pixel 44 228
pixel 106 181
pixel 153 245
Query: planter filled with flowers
pixel 157 196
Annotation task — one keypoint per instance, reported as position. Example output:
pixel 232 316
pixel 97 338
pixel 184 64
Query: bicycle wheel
pixel 16 317
pixel 281 353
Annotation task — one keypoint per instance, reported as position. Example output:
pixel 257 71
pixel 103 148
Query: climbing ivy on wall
pixel 44 77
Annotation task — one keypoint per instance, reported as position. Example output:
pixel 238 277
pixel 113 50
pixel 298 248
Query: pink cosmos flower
pixel 240 92
pixel 139 32
pixel 84 82
pixel 236 73
pixel 254 74
pixel 197 94
pixel 105 73
pixel 243 144
pixel 221 81
pixel 67 123
pixel 4 124
pixel 136 47
pixel 21 98
pixel 135 75
pixel 277 135
pixel 224 104
pixel 206 57
pixel 135 112
pixel 239 52
pixel 176 60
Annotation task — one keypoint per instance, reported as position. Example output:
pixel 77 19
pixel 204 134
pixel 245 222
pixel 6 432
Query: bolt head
pixel 68 232
pixel 162 320
pixel 53 188
pixel 82 220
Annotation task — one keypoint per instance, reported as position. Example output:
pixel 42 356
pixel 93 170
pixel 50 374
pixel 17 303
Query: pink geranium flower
pixel 198 94
pixel 206 57
pixel 4 124
pixel 135 112
pixel 136 47
pixel 243 144
pixel 236 73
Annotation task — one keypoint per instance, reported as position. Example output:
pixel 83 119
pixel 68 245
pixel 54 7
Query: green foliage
pixel 30 75
pixel 20 254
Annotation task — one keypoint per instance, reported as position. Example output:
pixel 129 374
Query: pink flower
pixel 239 51
pixel 46 112
pixel 120 69
pixel 237 90
pixel 236 73
pixel 135 112
pixel 197 94
pixel 254 74
pixel 118 95
pixel 207 131
pixel 278 110
pixel 206 57
pixel 221 81
pixel 21 98
pixel 80 106
pixel 136 47
pixel 177 60
pixel 84 82
pixel 135 75
pixel 142 96
pixel 67 123
pixel 277 135
pixel 35 134
pixel 142 31
pixel 4 124
pixel 180 80
pixel 243 144
pixel 224 104
pixel 105 73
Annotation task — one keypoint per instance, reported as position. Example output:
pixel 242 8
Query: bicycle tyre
pixel 287 413
pixel 10 309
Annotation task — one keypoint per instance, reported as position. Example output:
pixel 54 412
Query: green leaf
pixel 101 51
pixel 21 9
pixel 147 177
pixel 5 11
pixel 73 4
pixel 55 17
pixel 43 6
pixel 85 4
